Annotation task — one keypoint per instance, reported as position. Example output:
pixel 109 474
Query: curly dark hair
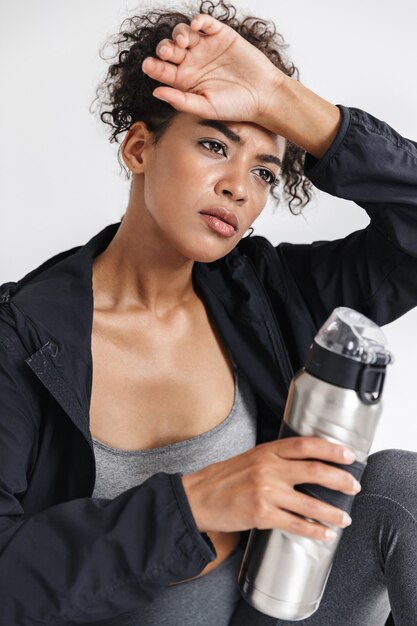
pixel 125 95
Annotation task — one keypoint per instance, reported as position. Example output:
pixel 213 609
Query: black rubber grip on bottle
pixel 335 498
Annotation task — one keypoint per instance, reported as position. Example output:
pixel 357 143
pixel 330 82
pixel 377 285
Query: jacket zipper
pixel 274 331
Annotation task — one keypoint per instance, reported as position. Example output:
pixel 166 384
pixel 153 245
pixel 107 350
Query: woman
pixel 126 494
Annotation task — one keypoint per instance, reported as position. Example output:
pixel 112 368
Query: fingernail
pixel 346 520
pixel 330 534
pixel 163 50
pixel 349 455
pixel 155 95
pixel 145 60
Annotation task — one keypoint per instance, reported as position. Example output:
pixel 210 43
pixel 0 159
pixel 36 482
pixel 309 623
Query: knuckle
pixel 304 445
pixel 261 514
pixel 316 531
pixel 295 525
pixel 316 469
pixel 320 533
pixel 259 473
pixel 312 506
pixel 336 449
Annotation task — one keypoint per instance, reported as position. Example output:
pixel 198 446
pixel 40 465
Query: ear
pixel 134 147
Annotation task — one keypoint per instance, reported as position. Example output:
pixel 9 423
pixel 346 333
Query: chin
pixel 208 258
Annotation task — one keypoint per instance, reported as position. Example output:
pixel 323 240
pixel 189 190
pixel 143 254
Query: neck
pixel 138 270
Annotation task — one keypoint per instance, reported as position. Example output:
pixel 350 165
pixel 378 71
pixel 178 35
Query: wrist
pixel 189 483
pixel 300 115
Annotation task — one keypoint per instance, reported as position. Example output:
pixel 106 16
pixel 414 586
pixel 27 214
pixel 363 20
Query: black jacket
pixel 67 557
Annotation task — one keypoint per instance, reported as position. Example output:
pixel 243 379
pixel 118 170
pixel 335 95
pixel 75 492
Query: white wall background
pixel 59 178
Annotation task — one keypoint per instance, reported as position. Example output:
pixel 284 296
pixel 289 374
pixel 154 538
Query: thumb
pixel 185 102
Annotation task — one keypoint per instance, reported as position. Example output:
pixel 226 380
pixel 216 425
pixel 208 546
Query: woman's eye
pixel 214 143
pixel 269 178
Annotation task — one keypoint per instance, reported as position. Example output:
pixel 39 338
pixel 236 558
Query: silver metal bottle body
pixel 283 574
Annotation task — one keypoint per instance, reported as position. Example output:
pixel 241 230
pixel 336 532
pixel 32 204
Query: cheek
pixel 160 184
pixel 259 202
pixel 172 188
pixel 181 182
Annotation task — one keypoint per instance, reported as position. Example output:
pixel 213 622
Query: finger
pixel 310 507
pixel 174 50
pixel 186 102
pixel 159 70
pixel 206 23
pixel 313 447
pixel 184 36
pixel 297 525
pixel 167 50
pixel 315 472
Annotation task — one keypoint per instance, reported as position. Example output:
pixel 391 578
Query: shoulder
pixel 8 331
pixel 29 304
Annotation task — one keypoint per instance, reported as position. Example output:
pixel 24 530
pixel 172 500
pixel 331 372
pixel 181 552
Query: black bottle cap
pixel 366 379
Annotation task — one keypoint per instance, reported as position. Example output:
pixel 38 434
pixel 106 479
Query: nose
pixel 232 185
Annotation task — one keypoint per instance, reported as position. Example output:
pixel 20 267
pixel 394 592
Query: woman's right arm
pixel 89 558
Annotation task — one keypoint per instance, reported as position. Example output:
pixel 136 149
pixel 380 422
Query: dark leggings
pixel 375 567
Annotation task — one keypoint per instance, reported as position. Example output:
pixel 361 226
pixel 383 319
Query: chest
pixel 156 382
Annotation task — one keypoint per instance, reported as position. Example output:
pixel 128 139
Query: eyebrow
pixel 265 158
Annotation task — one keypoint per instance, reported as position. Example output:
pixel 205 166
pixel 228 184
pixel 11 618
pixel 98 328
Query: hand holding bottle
pixel 255 489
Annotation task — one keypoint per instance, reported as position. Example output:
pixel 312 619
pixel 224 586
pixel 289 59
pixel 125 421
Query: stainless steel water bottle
pixel 337 396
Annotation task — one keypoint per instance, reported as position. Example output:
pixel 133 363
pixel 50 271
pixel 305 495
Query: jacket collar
pixel 53 309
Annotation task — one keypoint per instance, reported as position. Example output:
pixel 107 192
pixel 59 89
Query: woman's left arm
pixel 374 269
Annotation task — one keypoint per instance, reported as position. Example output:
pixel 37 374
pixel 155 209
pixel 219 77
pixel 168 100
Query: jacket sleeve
pixel 86 559
pixel 373 270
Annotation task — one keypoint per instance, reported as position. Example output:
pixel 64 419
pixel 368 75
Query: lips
pixel 223 214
